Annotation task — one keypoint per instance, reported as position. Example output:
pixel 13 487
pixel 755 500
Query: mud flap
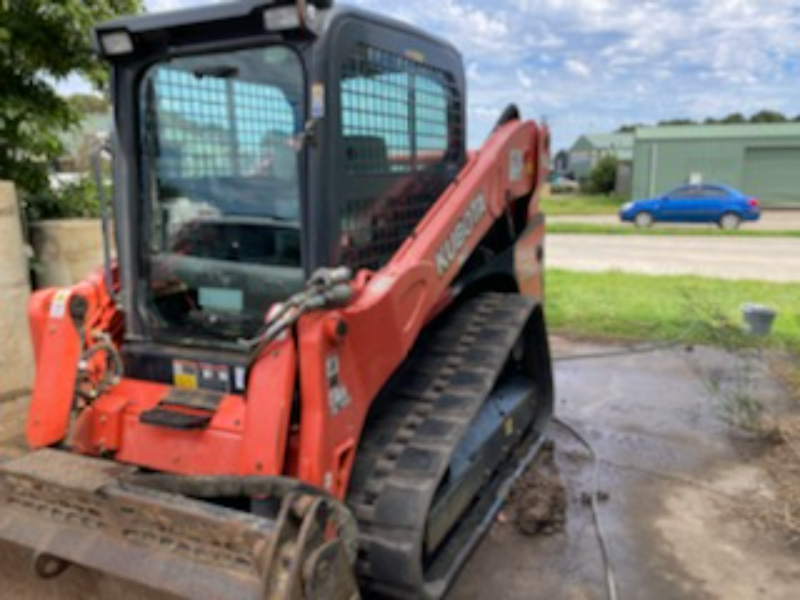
pixel 103 516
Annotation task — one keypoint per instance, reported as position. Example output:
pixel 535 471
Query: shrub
pixel 603 177
pixel 71 201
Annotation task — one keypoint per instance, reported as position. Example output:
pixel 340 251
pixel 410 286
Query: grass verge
pixel 624 306
pixel 581 205
pixel 592 229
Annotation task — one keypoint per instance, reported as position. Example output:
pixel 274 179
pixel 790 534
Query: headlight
pixel 284 18
pixel 627 206
pixel 281 19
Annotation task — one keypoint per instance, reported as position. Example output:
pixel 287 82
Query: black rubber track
pixel 410 439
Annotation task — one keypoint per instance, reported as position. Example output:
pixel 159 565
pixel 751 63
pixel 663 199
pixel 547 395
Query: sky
pixel 589 66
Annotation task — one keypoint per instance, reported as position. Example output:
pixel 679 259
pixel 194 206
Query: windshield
pixel 220 176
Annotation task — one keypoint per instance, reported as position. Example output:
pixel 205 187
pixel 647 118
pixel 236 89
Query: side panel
pixel 57 353
pixel 58 350
pixel 529 249
pixel 529 259
pixel 270 391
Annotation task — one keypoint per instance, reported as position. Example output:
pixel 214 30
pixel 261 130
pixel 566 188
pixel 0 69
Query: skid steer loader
pixel 319 358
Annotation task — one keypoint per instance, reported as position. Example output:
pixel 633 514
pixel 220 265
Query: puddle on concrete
pixel 670 468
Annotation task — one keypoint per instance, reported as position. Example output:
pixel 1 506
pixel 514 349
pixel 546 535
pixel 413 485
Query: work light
pixel 116 43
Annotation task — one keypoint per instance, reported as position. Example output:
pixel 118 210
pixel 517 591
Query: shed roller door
pixel 773 175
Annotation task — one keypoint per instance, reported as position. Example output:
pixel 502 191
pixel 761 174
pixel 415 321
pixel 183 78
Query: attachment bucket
pixel 104 516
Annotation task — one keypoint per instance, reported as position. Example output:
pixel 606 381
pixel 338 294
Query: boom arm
pixel 341 374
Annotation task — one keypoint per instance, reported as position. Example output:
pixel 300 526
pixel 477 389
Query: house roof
pixel 605 140
pixel 620 143
pixel 697 132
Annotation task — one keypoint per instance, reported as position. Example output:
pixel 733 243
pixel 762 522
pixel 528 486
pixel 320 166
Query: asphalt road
pixel 767 259
pixel 774 220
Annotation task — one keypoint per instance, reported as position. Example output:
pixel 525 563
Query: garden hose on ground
pixel 611 582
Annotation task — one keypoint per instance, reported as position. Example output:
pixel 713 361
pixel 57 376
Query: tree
pixel 735 118
pixel 768 116
pixel 603 177
pixel 42 42
pixel 88 104
pixel 677 122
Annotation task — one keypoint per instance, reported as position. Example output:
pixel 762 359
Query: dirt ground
pixel 691 508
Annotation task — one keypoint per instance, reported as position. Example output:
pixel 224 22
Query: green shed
pixel 762 160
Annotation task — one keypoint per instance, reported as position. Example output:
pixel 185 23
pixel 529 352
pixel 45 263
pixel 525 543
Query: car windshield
pixel 220 177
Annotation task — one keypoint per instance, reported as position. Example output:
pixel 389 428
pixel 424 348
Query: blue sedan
pixel 694 204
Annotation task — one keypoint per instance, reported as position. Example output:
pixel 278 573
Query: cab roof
pixel 247 11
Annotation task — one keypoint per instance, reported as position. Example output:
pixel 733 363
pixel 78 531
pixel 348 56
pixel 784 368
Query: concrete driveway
pixel 767 259
pixel 681 520
pixel 678 517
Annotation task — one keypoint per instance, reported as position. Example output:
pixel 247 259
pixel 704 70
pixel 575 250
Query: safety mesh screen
pixel 401 125
pixel 214 127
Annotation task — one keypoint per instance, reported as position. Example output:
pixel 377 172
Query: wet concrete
pixel 676 479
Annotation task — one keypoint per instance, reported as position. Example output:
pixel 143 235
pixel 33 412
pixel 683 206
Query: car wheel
pixel 644 219
pixel 729 221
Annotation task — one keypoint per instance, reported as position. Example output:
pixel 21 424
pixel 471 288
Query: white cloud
pixel 473 72
pixel 525 81
pixel 577 67
pixel 74 84
pixel 596 64
pixel 632 62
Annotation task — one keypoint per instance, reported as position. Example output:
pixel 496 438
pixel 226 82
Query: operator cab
pixel 257 141
pixel 220 157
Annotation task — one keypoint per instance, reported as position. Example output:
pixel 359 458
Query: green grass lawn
pixel 593 229
pixel 581 205
pixel 624 306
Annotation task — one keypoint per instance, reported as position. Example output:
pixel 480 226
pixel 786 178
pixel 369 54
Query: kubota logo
pixel 458 237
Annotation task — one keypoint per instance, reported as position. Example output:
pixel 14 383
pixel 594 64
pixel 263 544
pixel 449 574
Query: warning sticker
pixel 184 374
pixel 338 395
pixel 239 379
pixel 317 101
pixel 215 377
pixel 59 305
pixel 515 165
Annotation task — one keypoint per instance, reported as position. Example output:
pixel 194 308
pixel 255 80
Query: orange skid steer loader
pixel 320 358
